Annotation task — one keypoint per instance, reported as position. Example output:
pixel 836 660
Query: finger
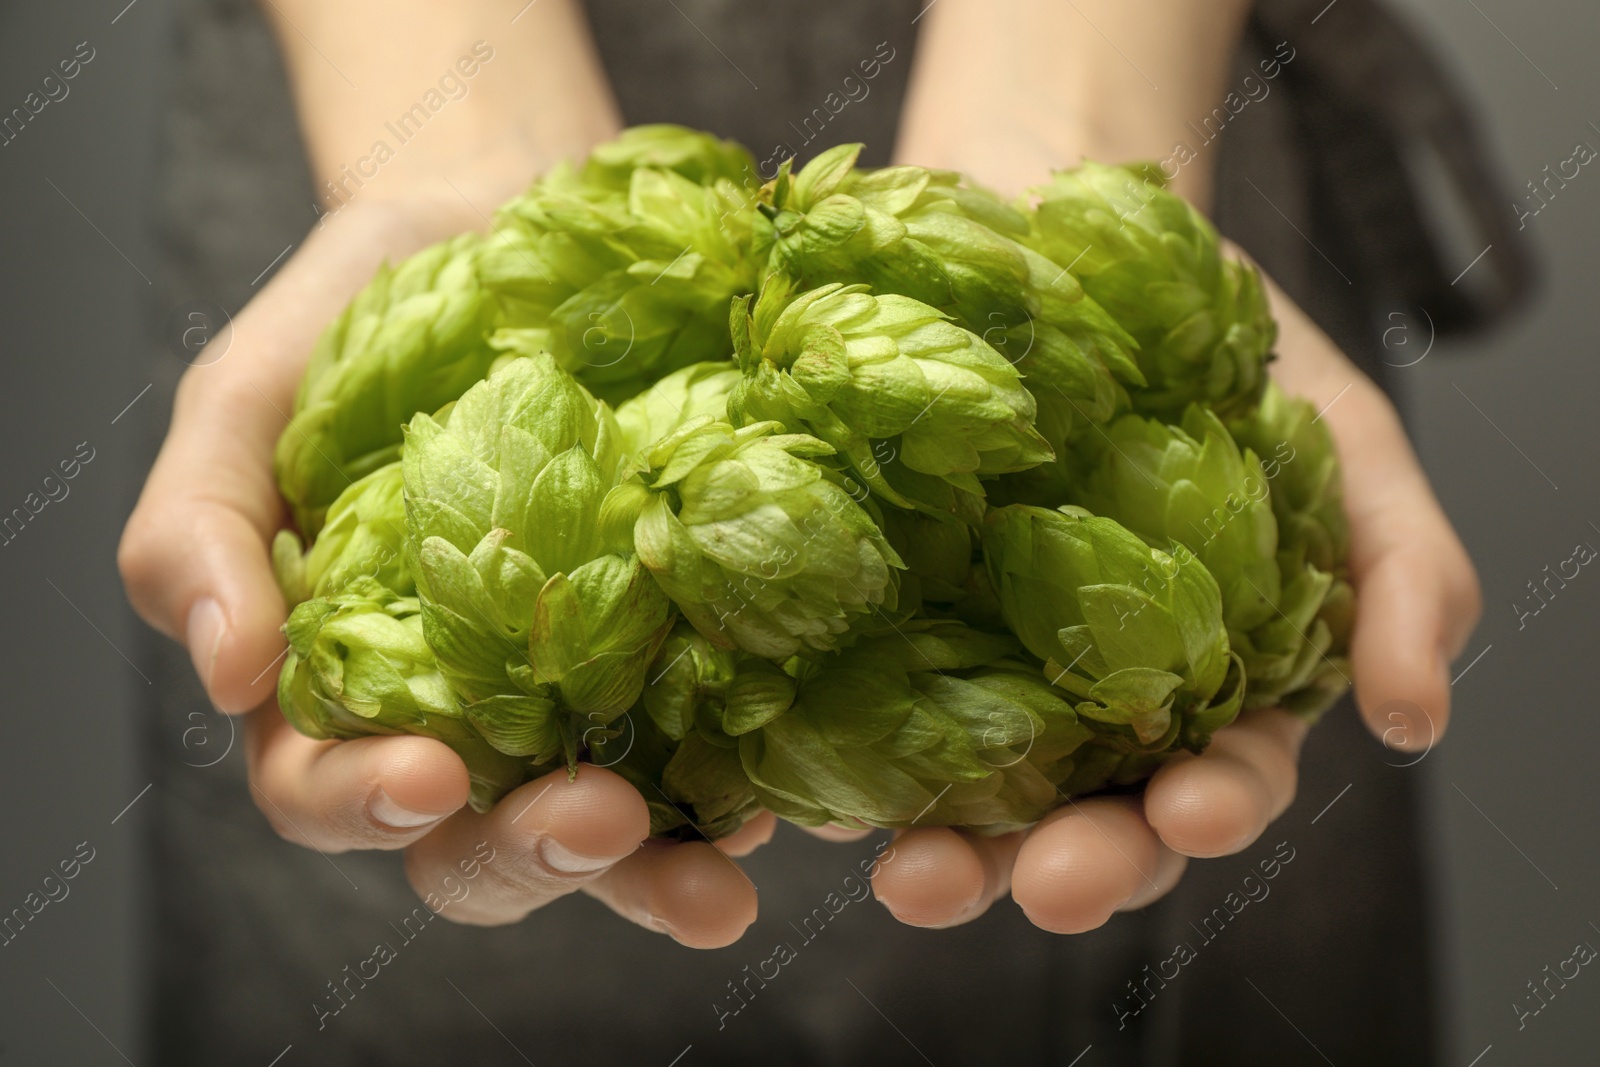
pixel 333 796
pixel 937 877
pixel 194 555
pixel 542 841
pixel 1417 595
pixel 691 892
pixel 1083 862
pixel 1219 802
pixel 749 837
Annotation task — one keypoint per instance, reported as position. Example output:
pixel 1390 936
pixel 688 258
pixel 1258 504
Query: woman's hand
pixel 1417 602
pixel 195 560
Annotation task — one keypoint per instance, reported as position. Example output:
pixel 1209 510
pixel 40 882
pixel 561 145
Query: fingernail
pixel 383 808
pixel 206 628
pixel 962 917
pixel 559 857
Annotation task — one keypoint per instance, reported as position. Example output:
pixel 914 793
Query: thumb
pixel 1417 596
pixel 194 555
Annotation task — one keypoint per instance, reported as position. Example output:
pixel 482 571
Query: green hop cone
pixel 358 666
pixel 674 750
pixel 543 632
pixel 933 726
pixel 1300 462
pixel 925 234
pixel 1135 634
pixel 1154 263
pixel 1192 484
pixel 760 547
pixel 700 389
pixel 1189 483
pixel 364 536
pixel 906 230
pixel 623 287
pixel 698 156
pixel 917 407
pixel 413 340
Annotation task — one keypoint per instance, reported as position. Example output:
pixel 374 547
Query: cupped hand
pixel 194 557
pixel 1417 602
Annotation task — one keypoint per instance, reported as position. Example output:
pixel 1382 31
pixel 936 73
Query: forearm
pixel 1007 90
pixel 405 99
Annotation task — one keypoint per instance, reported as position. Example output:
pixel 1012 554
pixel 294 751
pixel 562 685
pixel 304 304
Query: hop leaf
pixel 761 548
pixel 1134 633
pixel 542 631
pixel 412 340
pixel 1153 262
pixel 358 666
pixel 917 407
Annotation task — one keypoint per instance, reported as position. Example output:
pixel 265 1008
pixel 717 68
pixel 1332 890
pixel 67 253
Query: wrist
pixel 462 190
pixel 1010 91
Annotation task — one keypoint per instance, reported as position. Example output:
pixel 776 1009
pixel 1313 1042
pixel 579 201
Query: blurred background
pixel 1502 422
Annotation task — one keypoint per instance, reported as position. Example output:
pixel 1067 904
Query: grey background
pixel 1512 827
pixel 1524 736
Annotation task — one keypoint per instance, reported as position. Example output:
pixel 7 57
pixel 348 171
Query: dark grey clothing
pixel 261 945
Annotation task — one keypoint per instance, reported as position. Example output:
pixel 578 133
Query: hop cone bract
pixel 701 389
pixel 1301 465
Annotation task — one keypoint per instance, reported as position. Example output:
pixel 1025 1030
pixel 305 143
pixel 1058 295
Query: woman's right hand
pixel 194 557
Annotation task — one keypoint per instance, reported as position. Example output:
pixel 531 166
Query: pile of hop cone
pixel 860 496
